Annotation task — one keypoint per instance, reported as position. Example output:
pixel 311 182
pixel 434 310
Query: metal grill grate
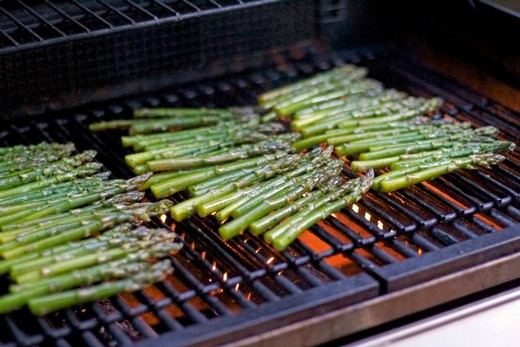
pixel 226 291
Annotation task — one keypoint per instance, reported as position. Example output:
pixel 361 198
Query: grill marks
pixel 218 279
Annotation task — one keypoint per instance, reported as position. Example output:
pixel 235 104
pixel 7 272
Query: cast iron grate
pixel 226 290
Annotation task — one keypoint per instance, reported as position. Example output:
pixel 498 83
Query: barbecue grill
pixel 387 259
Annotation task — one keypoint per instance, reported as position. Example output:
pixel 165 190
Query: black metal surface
pixel 224 291
pixel 75 50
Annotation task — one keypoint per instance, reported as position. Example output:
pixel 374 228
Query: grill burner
pixel 223 292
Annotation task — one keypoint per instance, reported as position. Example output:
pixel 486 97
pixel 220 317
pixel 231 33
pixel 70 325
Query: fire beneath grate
pixel 222 291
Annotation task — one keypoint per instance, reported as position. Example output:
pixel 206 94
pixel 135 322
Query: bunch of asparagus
pixel 381 128
pixel 53 203
pixel 244 172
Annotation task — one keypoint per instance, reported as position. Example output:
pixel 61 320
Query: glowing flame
pixel 270 260
pixel 193 245
pixel 172 227
pixel 380 225
pixel 249 296
pixel 224 277
pixel 163 218
pixel 258 250
pixel 214 266
pixel 237 286
pixel 203 255
pixel 367 216
pixel 420 251
pixel 355 208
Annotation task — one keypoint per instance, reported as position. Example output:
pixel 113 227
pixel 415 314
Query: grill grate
pixel 228 290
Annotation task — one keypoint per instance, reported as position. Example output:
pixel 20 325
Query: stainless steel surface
pixel 492 321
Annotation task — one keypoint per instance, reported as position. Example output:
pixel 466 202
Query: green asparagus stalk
pixel 296 188
pixel 115 203
pixel 194 176
pixel 49 303
pixel 457 151
pixel 311 216
pixel 410 179
pixel 88 260
pixel 121 234
pixel 17 300
pixel 91 228
pixel 179 112
pixel 312 160
pixel 332 196
pixel 291 106
pixel 11 154
pixel 280 143
pixel 311 82
pixel 188 207
pixel 81 171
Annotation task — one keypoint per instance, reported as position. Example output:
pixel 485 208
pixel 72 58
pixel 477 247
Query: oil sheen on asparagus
pixel 236 166
pixel 69 234
pixel 275 169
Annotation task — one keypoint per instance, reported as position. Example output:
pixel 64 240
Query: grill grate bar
pixel 513 212
pixel 66 16
pixel 191 4
pixel 502 218
pixel 372 202
pixel 116 11
pixel 92 14
pixel 166 7
pixel 119 335
pixel 141 9
pixel 331 239
pixel 512 193
pixel 20 25
pixel 462 228
pixel 90 339
pixel 42 20
pixel 487 198
pixel 188 278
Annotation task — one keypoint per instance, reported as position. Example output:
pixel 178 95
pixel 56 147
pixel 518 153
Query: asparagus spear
pixel 193 176
pixel 91 228
pixel 280 143
pixel 331 196
pixel 297 187
pixel 84 170
pixel 188 207
pixel 21 151
pixel 49 303
pixel 410 179
pixel 313 214
pixel 157 239
pixel 329 93
pixel 311 82
pixel 121 234
pixel 17 300
pixel 311 160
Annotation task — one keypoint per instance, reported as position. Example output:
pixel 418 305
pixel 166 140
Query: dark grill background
pixel 70 52
pixel 224 291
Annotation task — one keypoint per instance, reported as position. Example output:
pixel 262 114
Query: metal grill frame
pixel 483 260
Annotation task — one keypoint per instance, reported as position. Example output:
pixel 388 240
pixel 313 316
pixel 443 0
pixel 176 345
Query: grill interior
pixel 224 291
